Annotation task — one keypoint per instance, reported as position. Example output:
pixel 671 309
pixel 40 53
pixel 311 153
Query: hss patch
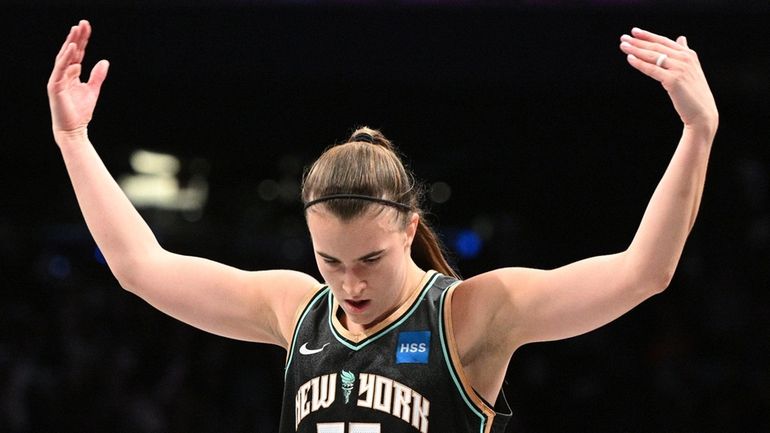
pixel 413 347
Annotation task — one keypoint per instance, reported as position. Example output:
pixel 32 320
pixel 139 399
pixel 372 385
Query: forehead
pixel 361 234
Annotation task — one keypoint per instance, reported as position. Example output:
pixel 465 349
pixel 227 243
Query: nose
pixel 353 284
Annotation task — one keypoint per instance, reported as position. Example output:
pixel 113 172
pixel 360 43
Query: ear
pixel 411 228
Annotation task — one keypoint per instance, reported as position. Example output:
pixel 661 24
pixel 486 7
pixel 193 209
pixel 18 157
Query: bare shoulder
pixel 488 302
pixel 285 291
pixel 485 333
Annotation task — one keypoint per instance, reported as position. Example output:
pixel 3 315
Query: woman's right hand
pixel 72 102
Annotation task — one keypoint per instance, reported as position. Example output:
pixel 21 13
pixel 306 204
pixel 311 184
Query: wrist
pixel 76 137
pixel 706 126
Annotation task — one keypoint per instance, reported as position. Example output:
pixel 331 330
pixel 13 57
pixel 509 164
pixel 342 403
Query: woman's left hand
pixel 677 68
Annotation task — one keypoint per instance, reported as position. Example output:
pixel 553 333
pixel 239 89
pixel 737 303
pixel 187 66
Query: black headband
pixel 363 136
pixel 359 197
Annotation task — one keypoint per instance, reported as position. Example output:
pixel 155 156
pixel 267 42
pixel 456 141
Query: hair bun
pixel 365 134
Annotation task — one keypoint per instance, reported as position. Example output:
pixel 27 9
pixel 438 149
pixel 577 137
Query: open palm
pixel 72 102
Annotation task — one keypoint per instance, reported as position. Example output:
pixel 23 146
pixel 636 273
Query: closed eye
pixel 368 259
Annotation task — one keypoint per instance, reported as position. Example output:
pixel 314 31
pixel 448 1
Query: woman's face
pixel 365 261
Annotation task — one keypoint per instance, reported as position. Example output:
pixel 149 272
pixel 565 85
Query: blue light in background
pixel 99 257
pixel 468 244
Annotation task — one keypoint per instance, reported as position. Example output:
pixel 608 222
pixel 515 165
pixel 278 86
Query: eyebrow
pixel 364 257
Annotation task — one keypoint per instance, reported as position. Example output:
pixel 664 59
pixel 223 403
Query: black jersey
pixel 403 375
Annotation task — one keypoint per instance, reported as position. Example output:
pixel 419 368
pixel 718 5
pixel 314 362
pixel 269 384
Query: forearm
pixel 120 232
pixel 670 215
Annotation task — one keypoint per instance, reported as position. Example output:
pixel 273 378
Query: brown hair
pixel 368 165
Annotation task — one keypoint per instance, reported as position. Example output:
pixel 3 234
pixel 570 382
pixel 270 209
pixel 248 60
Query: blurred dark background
pixel 539 146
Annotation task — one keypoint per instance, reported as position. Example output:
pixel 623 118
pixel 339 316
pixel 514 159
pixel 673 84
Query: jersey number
pixel 353 427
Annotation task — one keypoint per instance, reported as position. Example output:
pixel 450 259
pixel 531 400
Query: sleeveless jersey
pixel 402 376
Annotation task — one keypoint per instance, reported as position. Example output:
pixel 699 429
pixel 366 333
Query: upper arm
pixel 253 306
pixel 526 305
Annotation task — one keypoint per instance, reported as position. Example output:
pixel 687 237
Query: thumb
pixel 99 73
pixel 681 40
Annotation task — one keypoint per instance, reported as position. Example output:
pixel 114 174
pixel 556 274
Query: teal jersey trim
pixel 377 336
pixel 318 296
pixel 442 331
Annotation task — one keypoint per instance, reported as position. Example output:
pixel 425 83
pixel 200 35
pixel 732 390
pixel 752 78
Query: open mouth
pixel 357 306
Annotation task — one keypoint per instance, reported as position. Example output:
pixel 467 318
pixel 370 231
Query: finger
pixel 649 69
pixel 681 40
pixel 85 35
pixel 652 37
pixel 67 42
pixel 78 35
pixel 658 58
pixel 655 48
pixel 62 63
pixel 80 39
pixel 72 72
pixel 98 74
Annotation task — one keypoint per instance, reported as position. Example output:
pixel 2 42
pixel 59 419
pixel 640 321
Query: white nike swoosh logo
pixel 305 351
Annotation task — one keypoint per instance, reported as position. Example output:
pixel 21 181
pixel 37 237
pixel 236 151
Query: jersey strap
pixel 481 409
pixel 302 312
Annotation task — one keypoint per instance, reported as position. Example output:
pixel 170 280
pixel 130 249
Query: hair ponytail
pixel 428 252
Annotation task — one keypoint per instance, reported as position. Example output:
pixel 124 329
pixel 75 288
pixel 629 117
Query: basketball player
pixel 391 341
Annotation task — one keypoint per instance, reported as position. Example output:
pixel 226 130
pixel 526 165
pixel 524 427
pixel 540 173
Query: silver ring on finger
pixel 661 59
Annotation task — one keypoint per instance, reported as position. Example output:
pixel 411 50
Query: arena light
pixel 155 183
pixel 146 162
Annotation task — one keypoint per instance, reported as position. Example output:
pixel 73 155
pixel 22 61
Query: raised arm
pixel 254 306
pixel 534 305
